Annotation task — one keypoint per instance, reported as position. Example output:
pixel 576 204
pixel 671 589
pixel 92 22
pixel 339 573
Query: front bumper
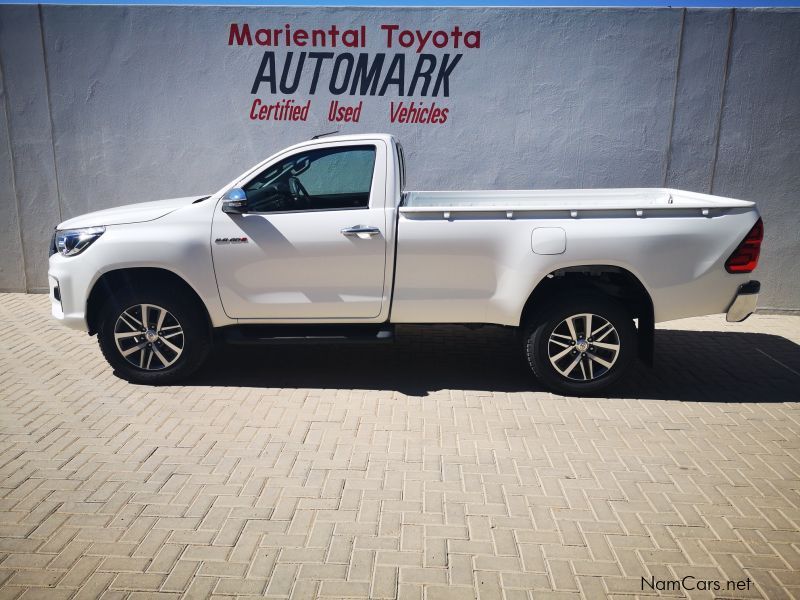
pixel 744 304
pixel 69 288
pixel 55 298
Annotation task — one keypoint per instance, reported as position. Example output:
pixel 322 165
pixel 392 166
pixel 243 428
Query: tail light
pixel 745 258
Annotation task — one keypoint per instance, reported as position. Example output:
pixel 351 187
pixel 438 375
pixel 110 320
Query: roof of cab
pixel 352 137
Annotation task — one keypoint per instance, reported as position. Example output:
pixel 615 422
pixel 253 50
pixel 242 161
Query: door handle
pixel 361 231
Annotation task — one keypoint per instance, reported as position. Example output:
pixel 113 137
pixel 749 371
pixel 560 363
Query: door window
pixel 326 179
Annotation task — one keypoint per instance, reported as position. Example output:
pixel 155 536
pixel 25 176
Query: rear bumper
pixel 744 304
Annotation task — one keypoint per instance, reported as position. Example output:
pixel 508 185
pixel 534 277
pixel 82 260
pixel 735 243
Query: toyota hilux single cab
pixel 322 242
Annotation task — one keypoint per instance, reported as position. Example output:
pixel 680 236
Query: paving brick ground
pixel 433 468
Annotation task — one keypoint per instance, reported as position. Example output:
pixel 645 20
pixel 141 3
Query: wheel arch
pixel 112 282
pixel 609 280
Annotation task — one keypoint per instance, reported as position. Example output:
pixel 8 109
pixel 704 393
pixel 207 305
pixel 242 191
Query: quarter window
pixel 326 179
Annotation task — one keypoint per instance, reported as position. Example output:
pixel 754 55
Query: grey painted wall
pixel 105 105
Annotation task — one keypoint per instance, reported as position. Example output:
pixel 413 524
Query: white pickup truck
pixel 320 242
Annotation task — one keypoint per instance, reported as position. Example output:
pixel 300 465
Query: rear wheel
pixel 153 337
pixel 580 345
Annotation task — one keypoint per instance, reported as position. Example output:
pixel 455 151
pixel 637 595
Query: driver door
pixel 315 238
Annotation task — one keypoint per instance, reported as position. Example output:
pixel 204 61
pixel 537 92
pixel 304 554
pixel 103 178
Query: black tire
pixel 539 347
pixel 194 339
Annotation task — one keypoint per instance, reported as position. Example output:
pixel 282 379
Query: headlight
pixel 71 242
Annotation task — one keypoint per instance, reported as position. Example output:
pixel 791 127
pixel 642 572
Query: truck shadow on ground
pixel 690 365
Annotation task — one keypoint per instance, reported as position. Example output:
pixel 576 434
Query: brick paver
pixel 432 468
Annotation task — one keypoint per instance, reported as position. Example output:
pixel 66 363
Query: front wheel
pixel 580 346
pixel 153 337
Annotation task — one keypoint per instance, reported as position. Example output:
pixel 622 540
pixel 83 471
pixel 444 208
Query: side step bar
pixel 308 334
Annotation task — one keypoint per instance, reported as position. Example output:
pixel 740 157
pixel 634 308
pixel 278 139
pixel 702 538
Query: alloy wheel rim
pixel 149 337
pixel 583 347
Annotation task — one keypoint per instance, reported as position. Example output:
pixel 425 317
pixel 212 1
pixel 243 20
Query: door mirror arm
pixel 234 202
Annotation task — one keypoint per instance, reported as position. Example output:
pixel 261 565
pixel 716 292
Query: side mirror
pixel 234 201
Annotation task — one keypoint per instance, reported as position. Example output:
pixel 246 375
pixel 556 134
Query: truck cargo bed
pixel 627 199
